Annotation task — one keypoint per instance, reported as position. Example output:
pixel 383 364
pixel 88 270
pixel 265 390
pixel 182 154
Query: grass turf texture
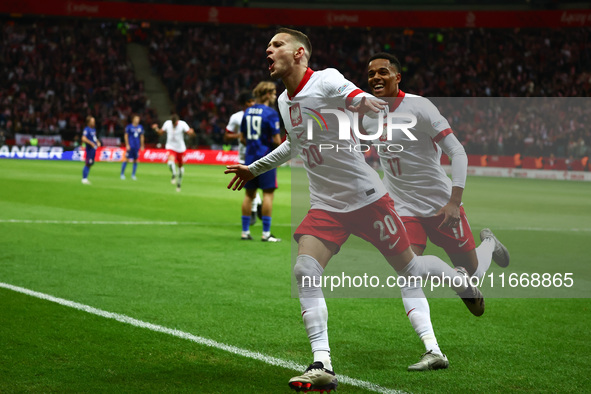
pixel 200 278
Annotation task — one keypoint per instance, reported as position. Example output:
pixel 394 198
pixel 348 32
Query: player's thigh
pixel 318 248
pixel 90 156
pixel 454 240
pixel 320 226
pixel 380 225
pixel 250 193
pixel 180 156
pixel 132 155
pixel 416 233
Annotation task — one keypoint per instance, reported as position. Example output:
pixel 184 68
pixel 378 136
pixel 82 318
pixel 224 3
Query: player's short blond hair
pixel 300 37
pixel 263 88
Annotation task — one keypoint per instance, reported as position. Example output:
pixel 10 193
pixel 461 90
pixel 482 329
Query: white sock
pixel 417 310
pixel 324 357
pixel 427 267
pixel 172 167
pixel 256 202
pixel 484 255
pixel 180 178
pixel 308 273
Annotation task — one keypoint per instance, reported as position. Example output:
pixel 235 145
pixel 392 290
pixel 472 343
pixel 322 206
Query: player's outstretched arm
pixel 241 175
pixel 368 105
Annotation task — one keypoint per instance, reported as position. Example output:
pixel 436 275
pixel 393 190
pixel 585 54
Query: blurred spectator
pixel 54 74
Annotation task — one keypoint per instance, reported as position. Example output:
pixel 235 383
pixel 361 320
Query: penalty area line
pixel 274 361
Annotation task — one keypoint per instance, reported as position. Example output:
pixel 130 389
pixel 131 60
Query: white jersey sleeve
pixel 234 122
pixel 278 156
pixel 459 160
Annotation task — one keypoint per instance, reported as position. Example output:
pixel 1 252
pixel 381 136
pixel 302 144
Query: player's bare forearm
pixel 241 175
pixel 229 136
pixel 456 195
pixel 451 210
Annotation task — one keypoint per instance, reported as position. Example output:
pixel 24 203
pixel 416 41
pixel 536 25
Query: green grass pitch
pixel 188 270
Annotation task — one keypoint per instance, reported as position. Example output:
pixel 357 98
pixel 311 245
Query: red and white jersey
pixel 234 127
pixel 340 179
pixel 175 136
pixel 414 176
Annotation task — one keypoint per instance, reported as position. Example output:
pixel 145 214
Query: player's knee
pixel 307 267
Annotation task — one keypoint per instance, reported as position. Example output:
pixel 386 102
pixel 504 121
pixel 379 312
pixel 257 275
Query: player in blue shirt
pixel 92 143
pixel 260 128
pixel 134 142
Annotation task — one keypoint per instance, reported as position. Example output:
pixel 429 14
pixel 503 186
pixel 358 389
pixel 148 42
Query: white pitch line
pixel 176 223
pixel 194 338
pixel 124 223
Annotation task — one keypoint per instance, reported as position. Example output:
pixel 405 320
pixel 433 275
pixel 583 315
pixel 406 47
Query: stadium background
pixel 64 60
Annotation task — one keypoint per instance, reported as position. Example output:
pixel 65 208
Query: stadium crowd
pixel 56 73
pixel 210 65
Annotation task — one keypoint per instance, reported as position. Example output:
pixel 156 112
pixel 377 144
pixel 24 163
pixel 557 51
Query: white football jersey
pixel 414 176
pixel 234 127
pixel 340 179
pixel 175 136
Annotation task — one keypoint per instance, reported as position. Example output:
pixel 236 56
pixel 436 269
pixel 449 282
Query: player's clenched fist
pixel 242 175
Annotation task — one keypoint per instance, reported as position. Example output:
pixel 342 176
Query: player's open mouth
pixel 271 62
pixel 378 87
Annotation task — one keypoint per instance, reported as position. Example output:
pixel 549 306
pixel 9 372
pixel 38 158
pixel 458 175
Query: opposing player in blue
pixel 134 142
pixel 91 141
pixel 260 128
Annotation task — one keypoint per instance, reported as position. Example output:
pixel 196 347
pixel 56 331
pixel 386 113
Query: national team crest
pixel 295 114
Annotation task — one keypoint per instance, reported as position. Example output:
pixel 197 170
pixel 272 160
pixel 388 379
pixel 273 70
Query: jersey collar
pixel 397 100
pixel 303 83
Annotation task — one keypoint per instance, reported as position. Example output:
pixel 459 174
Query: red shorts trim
pixel 453 240
pixel 178 156
pixel 378 223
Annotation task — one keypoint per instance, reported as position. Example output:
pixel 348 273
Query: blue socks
pixel 123 166
pixel 85 172
pixel 134 169
pixel 245 223
pixel 266 223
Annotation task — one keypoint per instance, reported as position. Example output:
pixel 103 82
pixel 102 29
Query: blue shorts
pixel 268 180
pixel 132 154
pixel 90 153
